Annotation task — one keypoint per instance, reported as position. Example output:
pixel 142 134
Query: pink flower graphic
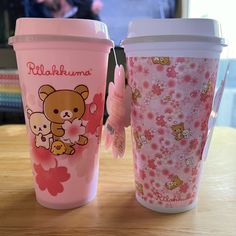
pixel 180 59
pixel 171 72
pixel 73 130
pixel 131 62
pixel 151 164
pixel 42 156
pixel 93 114
pixel 193 144
pixel 160 121
pixel 148 135
pixel 160 68
pixel 139 68
pixel 51 179
pixel 187 78
pixel 195 171
pixel 142 174
pixel 204 125
pixel 156 89
pixel 146 71
pixel 184 188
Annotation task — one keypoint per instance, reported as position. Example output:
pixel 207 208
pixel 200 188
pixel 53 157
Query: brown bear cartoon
pixel 139 187
pixel 178 131
pixel 63 107
pixel 135 95
pixel 161 60
pixel 174 183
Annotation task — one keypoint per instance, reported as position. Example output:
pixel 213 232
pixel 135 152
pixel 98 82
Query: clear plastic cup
pixel 172 69
pixel 62 66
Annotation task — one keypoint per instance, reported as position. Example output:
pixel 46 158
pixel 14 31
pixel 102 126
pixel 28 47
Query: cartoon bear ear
pixel 29 113
pixel 82 90
pixel 45 90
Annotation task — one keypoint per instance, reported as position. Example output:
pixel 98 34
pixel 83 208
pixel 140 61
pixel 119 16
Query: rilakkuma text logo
pixel 54 70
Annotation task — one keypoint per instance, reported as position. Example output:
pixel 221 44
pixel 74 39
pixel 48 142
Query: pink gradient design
pixel 65 181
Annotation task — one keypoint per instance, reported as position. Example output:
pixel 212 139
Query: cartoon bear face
pixel 178 128
pixel 39 124
pixel 63 105
pixel 174 183
pixel 161 60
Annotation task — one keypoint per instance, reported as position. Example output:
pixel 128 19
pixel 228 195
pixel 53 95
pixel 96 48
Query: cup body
pixel 173 86
pixel 63 88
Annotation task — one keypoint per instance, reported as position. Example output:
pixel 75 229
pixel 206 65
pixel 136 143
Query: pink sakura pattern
pixel 94 114
pixel 169 119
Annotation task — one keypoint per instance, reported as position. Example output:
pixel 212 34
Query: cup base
pixel 165 210
pixel 65 206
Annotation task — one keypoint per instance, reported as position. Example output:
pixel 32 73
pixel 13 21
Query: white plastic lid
pixel 37 29
pixel 180 29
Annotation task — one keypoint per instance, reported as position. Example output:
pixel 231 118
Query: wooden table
pixel 115 210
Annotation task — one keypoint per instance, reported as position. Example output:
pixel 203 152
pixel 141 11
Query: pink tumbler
pixel 172 69
pixel 62 67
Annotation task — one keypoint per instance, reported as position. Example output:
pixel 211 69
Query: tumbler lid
pixel 38 29
pixel 164 30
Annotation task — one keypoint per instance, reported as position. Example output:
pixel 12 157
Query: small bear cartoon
pixel 186 133
pixel 161 60
pixel 205 90
pixel 40 126
pixel 139 139
pixel 139 187
pixel 206 87
pixel 174 183
pixel 178 131
pixel 65 107
pixel 135 95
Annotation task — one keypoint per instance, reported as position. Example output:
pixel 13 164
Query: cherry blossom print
pixel 151 164
pixel 42 156
pixel 131 62
pixel 73 130
pixel 193 144
pixel 180 59
pixel 139 68
pixel 148 134
pixel 94 113
pixel 142 174
pixel 160 68
pixel 192 65
pixel 160 121
pixel 157 89
pixel 171 83
pixel 146 71
pixel 52 179
pixel 145 84
pixel 169 118
pixel 171 73
pixel 184 188
pixel 187 78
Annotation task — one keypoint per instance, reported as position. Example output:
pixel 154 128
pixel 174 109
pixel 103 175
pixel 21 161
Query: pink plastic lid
pixel 38 29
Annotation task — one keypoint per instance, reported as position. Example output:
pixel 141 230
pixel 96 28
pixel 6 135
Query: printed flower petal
pixel 51 179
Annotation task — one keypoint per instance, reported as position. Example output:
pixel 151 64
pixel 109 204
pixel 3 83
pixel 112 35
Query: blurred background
pixel 116 14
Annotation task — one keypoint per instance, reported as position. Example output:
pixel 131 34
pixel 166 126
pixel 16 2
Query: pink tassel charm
pixel 118 107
